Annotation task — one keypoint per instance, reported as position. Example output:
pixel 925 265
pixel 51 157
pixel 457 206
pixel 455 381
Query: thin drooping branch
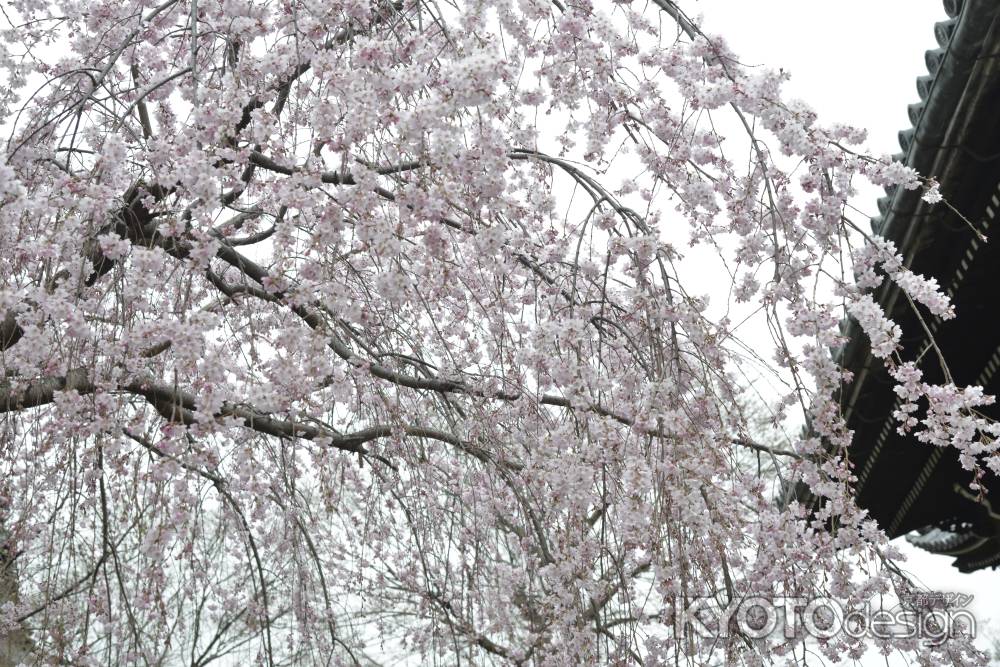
pixel 312 317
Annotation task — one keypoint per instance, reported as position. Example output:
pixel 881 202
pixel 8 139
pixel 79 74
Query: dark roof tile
pixel 906 138
pixel 944 30
pixel 924 86
pixel 932 59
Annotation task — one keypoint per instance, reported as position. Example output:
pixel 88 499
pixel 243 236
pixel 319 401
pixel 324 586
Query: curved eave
pixel 950 123
pixel 955 138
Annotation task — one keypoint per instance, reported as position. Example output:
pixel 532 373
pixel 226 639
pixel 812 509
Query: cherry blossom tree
pixel 342 332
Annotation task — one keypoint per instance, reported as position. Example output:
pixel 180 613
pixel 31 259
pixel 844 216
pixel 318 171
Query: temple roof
pixel 905 484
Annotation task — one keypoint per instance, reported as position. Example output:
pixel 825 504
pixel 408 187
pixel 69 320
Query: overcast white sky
pixel 853 61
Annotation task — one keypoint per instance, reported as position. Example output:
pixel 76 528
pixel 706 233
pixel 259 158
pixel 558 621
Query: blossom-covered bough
pixel 348 331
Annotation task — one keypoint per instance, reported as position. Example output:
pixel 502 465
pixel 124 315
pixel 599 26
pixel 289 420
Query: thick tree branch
pixel 179 405
pixel 10 331
pixel 42 391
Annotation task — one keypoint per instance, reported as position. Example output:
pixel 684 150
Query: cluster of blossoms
pixel 951 418
pixel 883 332
pixel 932 194
pixel 879 254
pixel 335 329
